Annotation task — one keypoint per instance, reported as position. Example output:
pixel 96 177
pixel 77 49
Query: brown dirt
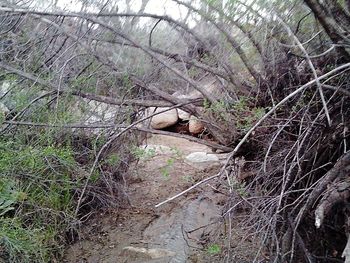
pixel 151 181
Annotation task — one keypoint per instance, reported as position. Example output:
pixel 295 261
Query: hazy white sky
pixel 159 7
pixel 154 6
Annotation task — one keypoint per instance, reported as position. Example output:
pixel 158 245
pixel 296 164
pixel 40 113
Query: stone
pixel 146 253
pixel 201 157
pixel 5 87
pixel 183 115
pixel 99 111
pixel 163 120
pixel 203 160
pixel 3 109
pixel 195 126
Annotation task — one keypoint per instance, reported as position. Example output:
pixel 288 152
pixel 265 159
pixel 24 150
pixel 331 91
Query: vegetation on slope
pixel 74 84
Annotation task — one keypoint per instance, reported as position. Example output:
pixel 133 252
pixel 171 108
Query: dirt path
pixel 177 231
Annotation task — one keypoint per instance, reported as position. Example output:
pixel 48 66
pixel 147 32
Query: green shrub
pixel 37 185
pixel 21 244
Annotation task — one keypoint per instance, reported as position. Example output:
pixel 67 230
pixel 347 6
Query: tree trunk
pixel 327 20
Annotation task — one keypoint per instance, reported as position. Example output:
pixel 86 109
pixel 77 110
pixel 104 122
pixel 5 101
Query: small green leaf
pixel 214 249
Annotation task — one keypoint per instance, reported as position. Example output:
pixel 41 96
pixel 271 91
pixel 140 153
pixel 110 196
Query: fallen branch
pixel 187 137
pixel 111 125
pixel 188 189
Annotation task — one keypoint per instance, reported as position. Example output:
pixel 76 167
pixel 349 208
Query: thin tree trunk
pixel 331 27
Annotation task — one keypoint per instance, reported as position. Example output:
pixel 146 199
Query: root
pixel 340 170
pixel 346 252
pixel 336 193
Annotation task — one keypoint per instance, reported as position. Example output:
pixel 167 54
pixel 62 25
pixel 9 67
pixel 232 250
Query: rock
pixel 201 157
pixel 4 110
pixel 164 119
pixel 146 253
pixel 202 160
pixel 183 115
pixel 4 88
pixel 195 126
pixel 99 111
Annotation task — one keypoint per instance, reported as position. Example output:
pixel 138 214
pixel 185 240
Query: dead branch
pixel 187 190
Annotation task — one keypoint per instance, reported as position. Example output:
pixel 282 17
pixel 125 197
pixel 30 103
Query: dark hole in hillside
pixel 182 127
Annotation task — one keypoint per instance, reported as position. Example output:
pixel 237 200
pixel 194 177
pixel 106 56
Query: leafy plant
pixel 144 154
pixel 214 249
pixel 218 109
pixel 165 170
pixel 36 198
pixel 246 115
pixel 21 244
pixel 113 159
pixel 176 152
pixel 8 196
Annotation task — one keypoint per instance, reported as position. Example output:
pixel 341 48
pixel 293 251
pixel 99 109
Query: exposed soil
pixel 185 227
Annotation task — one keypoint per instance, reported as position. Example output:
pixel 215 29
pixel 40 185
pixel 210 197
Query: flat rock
pixel 202 157
pixel 146 253
pixel 202 160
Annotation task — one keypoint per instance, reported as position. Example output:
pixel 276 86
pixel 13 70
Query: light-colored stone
pixel 201 157
pixel 146 253
pixel 202 160
pixel 183 115
pixel 195 126
pixel 4 88
pixel 164 119
pixel 3 109
pixel 99 111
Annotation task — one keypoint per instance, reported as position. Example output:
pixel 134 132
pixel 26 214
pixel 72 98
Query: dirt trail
pixel 176 232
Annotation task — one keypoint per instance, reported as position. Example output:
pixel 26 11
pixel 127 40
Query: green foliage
pixel 188 178
pixel 246 115
pixel 2 117
pixel 36 198
pixel 113 159
pixel 9 196
pixel 218 109
pixel 194 72
pixel 240 188
pixel 214 249
pixel 144 154
pixel 86 83
pixel 165 170
pixel 175 155
pixel 21 244
pixel 126 81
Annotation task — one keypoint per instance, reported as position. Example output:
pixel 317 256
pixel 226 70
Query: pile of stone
pixel 173 116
